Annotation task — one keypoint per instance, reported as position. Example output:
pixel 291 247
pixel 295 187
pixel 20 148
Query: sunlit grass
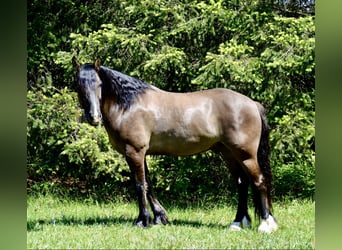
pixel 67 224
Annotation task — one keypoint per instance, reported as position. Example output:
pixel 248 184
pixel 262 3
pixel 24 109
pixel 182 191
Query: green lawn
pixel 65 224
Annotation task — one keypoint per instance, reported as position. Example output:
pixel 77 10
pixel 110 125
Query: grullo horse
pixel 141 120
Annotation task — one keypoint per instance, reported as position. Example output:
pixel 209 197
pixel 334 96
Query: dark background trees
pixel 263 49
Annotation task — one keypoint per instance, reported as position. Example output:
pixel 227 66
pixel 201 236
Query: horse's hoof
pixel 142 223
pixel 139 224
pixel 246 223
pixel 268 226
pixel 159 220
pixel 237 225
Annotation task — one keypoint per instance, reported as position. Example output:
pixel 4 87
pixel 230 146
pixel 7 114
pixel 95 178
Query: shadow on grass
pixel 196 224
pixel 37 225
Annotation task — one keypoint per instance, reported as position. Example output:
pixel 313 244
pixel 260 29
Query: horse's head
pixel 89 91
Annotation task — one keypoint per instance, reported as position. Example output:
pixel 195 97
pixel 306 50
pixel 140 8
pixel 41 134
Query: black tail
pixel 264 163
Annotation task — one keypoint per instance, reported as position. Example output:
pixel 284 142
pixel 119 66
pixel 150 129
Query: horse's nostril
pixel 95 122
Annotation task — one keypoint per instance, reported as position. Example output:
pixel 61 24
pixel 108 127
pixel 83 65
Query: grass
pixel 53 223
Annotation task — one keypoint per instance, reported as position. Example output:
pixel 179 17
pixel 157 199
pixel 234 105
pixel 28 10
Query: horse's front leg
pixel 135 160
pixel 160 216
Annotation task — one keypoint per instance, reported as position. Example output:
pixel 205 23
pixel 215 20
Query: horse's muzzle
pixel 93 120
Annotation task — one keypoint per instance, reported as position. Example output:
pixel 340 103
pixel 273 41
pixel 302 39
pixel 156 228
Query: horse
pixel 141 120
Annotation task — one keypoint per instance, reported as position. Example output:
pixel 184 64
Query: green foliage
pixel 293 139
pixel 51 116
pixel 65 152
pixel 49 24
pixel 264 50
pixel 186 178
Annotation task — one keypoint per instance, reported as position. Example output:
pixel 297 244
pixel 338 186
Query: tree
pixel 255 47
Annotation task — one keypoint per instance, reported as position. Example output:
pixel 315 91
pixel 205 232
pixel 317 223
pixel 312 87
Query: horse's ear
pixel 97 64
pixel 75 63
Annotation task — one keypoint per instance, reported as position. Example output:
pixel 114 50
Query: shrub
pixel 192 178
pixel 71 156
pixel 293 158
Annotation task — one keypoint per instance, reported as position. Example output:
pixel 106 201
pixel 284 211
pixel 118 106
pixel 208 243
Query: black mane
pixel 124 87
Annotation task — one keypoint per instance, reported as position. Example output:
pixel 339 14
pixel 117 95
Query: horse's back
pixel 185 100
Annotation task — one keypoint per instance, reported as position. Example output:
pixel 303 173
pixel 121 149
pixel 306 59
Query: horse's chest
pixel 114 135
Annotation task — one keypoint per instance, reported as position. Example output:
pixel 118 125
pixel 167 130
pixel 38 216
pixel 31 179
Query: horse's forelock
pixel 87 75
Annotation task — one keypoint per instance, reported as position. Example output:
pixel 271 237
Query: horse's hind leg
pixel 160 216
pixel 261 198
pixel 242 218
